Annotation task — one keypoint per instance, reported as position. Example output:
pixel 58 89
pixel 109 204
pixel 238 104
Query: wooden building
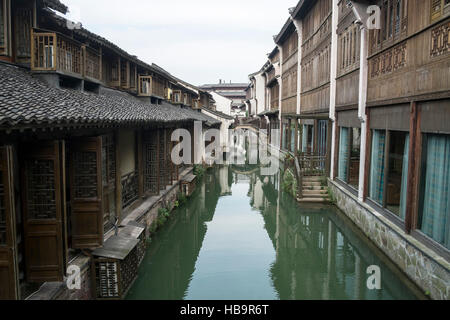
pixel 374 104
pixel 85 139
pixel 288 45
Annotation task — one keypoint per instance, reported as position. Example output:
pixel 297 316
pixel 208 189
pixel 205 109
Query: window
pixel 388 172
pixel 349 155
pixel 177 96
pixel 145 85
pixel 393 19
pixel 308 139
pixel 439 8
pixel 2 26
pixel 434 197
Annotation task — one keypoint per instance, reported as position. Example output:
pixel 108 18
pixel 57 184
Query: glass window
pixel 377 166
pixel 434 209
pixel 349 155
pixel 397 171
pixel 344 151
pixel 388 186
pixel 355 155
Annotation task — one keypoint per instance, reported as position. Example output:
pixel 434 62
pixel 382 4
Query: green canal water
pixel 240 237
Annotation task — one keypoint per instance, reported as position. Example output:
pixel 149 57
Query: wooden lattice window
pixel 108 180
pixel 3 26
pixel 132 76
pixel 85 174
pixel 439 8
pixel 41 197
pixel 163 181
pixel 3 235
pixel 23 25
pixel 114 76
pixel 124 74
pixel 151 163
pixel 92 62
pixel 145 86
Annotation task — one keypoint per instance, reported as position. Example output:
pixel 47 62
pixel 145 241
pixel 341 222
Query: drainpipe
pixel 280 81
pixel 361 13
pixel 333 73
pixel 363 78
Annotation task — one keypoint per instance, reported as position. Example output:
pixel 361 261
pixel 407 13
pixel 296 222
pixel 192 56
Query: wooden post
pixel 368 155
pixel 118 182
pixel 140 166
pixel 414 155
pixel 315 136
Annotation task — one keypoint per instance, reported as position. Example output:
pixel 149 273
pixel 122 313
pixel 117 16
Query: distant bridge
pixel 247 126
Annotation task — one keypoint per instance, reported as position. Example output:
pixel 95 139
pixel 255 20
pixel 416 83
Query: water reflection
pixel 239 237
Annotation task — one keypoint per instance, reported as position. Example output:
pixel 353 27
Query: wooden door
pixel 42 211
pixel 8 265
pixel 86 193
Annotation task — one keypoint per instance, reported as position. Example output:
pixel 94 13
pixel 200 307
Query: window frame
pixel 141 80
pixel 383 204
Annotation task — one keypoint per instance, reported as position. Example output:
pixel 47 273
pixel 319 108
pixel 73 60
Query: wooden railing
pixel 54 52
pixel 312 164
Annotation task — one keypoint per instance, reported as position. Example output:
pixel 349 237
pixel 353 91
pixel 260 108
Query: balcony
pixel 53 52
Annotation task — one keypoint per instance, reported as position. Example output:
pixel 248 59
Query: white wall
pixel 260 93
pixel 222 104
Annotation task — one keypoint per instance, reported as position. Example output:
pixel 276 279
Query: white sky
pixel 199 41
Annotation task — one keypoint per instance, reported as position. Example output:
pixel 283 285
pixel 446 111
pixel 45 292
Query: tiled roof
pixel 56 5
pixel 26 101
pixel 219 114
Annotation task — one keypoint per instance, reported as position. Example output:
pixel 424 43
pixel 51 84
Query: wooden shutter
pixel 8 265
pixel 42 209
pixel 86 193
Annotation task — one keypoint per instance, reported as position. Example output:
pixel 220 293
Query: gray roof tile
pixel 27 101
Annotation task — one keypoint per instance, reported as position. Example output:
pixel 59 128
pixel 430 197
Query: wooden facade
pixel 316 58
pixel 289 78
pixel 65 188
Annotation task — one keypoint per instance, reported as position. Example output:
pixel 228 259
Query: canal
pixel 240 237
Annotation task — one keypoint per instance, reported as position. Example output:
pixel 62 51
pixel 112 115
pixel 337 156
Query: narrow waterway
pixel 240 237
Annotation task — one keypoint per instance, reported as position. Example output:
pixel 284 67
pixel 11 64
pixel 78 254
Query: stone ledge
pixel 422 265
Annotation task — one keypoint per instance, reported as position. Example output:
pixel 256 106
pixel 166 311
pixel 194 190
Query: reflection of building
pixel 176 259
pixel 319 256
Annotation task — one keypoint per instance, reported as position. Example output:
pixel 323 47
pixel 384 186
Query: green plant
pixel 332 196
pixel 182 199
pixel 289 183
pixel 199 171
pixel 176 204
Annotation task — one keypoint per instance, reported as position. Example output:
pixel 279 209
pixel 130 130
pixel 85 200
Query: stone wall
pixel 422 265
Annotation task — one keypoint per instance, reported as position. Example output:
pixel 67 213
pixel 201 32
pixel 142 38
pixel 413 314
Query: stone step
pixel 312 188
pixel 313 178
pixel 307 192
pixel 313 200
pixel 312 183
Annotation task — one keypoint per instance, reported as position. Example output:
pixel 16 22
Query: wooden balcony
pixel 54 52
